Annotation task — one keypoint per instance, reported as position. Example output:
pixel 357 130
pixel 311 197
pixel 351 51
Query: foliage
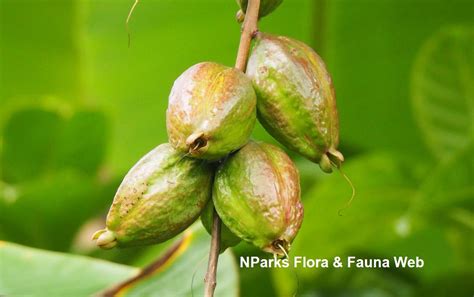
pixel 443 92
pixel 70 275
pixel 78 108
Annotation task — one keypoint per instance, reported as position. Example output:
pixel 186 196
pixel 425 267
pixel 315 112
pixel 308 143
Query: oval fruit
pixel 160 196
pixel 211 111
pixel 296 100
pixel 256 193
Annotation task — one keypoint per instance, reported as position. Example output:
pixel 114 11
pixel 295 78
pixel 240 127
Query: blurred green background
pixel 78 108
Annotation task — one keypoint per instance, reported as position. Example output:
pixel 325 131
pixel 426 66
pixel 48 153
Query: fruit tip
pixel 197 143
pixel 325 164
pixel 331 159
pixel 279 247
pixel 105 239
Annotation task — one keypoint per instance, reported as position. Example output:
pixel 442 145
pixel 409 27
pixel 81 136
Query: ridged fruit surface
pixel 159 197
pixel 256 193
pixel 296 102
pixel 211 111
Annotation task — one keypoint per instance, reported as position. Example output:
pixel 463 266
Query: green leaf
pixel 449 184
pixel 450 284
pixel 446 199
pixel 47 212
pixel 385 185
pixel 378 222
pixel 28 145
pixel 361 282
pixel 54 274
pixel 256 281
pixel 370 64
pixel 82 143
pixel 443 90
pixel 188 259
pixel 32 272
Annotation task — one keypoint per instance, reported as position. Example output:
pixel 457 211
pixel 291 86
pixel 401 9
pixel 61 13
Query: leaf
pixel 449 184
pixel 450 284
pixel 47 212
pixel 385 185
pixel 446 199
pixel 255 281
pixel 54 274
pixel 27 271
pixel 378 222
pixel 175 276
pixel 82 143
pixel 443 90
pixel 362 282
pixel 370 64
pixel 28 145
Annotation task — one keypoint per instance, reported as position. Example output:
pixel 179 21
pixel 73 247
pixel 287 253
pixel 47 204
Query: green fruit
pixel 266 7
pixel 211 111
pixel 228 239
pixel 257 195
pixel 160 196
pixel 296 102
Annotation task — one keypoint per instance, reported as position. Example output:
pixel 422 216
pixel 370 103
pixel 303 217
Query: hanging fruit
pixel 257 195
pixel 163 194
pixel 296 100
pixel 211 111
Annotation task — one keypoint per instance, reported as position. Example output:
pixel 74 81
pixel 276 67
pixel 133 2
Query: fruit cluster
pixel 210 162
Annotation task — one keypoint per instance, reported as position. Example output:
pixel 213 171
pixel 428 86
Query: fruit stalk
pixel 248 33
pixel 210 279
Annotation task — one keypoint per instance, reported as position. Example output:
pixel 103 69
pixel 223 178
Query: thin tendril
pixel 339 212
pixel 283 250
pixel 128 21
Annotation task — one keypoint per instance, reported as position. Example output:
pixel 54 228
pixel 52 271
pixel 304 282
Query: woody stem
pixel 249 30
